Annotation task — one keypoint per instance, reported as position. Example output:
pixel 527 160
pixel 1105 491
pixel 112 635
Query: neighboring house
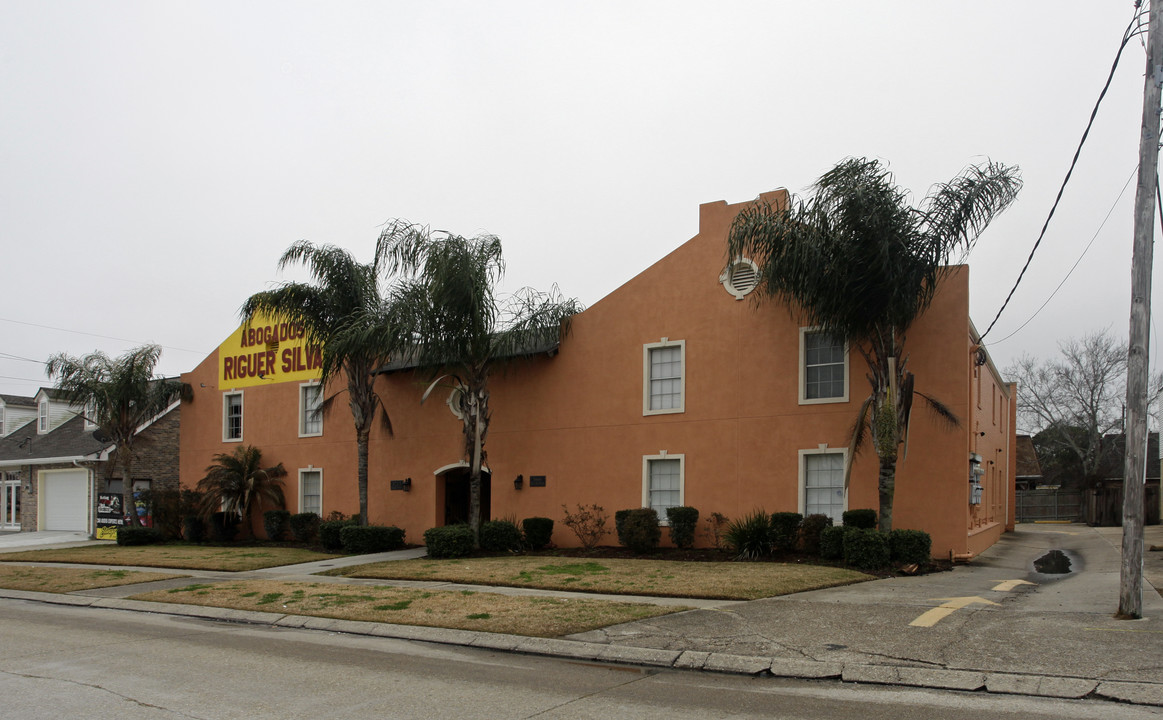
pixel 15 411
pixel 674 389
pixel 1029 470
pixel 53 466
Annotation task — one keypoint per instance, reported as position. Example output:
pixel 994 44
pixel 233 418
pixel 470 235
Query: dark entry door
pixel 457 495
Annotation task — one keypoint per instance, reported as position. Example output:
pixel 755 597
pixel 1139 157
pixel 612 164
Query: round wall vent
pixel 740 278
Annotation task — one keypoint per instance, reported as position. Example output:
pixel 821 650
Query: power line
pixel 7 356
pixel 1133 29
pixel 106 337
pixel 1076 262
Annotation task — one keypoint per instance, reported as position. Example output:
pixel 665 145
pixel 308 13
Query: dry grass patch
pixel 664 578
pixel 65 580
pixel 189 557
pixel 465 610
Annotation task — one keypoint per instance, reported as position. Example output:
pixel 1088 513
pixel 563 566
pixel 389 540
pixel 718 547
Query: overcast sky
pixel 156 158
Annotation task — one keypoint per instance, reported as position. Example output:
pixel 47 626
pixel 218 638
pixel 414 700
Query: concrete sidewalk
pixel 1010 629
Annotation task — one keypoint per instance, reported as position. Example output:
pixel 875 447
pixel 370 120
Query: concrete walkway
pixel 996 625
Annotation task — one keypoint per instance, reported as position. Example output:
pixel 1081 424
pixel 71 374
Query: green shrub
pixel 329 533
pixel 193 529
pixel 620 525
pixel 640 532
pixel 538 531
pixel 359 540
pixel 128 535
pixel 866 549
pixel 500 536
pixel 683 523
pixel 785 530
pixel 750 537
pixel 304 527
pixel 275 523
pixel 863 519
pixel 449 541
pixel 810 530
pixel 832 542
pixel 910 546
pixel 223 526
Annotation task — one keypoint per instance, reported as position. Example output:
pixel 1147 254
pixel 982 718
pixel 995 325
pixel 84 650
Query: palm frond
pixel 856 439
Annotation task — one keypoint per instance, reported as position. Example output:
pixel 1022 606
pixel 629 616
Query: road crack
pixel 101 688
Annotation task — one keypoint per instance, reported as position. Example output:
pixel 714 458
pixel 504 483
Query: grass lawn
pixel 190 557
pixel 466 610
pixel 666 578
pixel 64 580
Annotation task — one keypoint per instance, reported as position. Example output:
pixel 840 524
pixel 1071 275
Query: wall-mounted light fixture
pixel 519 482
pixel 407 484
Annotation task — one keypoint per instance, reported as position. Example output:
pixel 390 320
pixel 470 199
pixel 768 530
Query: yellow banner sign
pixel 264 352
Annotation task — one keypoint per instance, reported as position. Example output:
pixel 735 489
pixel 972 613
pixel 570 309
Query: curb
pixel 1137 693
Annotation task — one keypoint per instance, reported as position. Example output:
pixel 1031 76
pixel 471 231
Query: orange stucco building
pixel 675 388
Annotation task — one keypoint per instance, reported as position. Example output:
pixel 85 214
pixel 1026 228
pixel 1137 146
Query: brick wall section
pixel 155 455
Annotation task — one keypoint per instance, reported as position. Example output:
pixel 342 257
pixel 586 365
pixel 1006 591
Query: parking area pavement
pixel 997 614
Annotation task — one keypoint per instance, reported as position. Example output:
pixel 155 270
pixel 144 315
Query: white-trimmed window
pixel 823 368
pixel 310 412
pixel 90 416
pixel 663 482
pixel 664 377
pixel 311 491
pixel 42 417
pixel 822 483
pixel 2 410
pixel 232 417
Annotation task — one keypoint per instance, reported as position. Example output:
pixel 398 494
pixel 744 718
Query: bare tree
pixel 1071 402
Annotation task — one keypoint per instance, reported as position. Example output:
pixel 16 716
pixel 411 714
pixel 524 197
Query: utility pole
pixel 1131 585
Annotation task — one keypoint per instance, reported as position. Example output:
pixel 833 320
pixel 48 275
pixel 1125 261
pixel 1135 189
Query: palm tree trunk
pixel 474 486
pixel 362 443
pixel 887 486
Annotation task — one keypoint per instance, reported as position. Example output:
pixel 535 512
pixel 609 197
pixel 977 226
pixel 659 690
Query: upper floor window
pixel 310 412
pixel 823 368
pixel 232 417
pixel 1 421
pixel 42 416
pixel 664 377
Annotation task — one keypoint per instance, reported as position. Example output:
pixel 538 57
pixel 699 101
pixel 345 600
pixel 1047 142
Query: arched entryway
pixel 453 494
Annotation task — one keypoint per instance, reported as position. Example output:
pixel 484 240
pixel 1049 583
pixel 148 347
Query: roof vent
pixel 740 278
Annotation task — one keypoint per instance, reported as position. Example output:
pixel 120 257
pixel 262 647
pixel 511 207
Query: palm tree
pixel 118 396
pixel 858 261
pixel 335 313
pixel 237 483
pixel 449 319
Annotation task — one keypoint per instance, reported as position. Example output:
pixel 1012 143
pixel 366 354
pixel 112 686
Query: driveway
pixel 44 538
pixel 1000 615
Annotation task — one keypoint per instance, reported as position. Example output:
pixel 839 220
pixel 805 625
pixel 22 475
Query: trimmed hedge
pixel 329 533
pixel 639 530
pixel 683 522
pixel 863 519
pixel 538 531
pixel 810 531
pixel 193 529
pixel 750 536
pixel 222 526
pixel 620 524
pixel 832 542
pixel 275 523
pixel 360 540
pixel 449 541
pixel 785 530
pixel 866 549
pixel 128 535
pixel 500 536
pixel 910 546
pixel 304 527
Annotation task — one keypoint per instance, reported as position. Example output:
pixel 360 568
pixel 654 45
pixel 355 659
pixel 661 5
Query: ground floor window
pixel 662 482
pixel 822 484
pixel 311 491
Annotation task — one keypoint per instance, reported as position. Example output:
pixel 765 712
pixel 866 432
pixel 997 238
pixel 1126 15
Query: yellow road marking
pixel 947 608
pixel 1009 585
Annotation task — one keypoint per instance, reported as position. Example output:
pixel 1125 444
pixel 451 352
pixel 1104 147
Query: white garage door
pixel 65 499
